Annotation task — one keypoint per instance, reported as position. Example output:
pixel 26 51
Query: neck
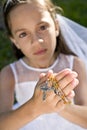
pixel 41 64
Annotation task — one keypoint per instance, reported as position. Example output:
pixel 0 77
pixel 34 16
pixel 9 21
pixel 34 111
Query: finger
pixel 67 79
pixel 64 93
pixel 44 76
pixel 49 73
pixel 60 105
pixel 70 86
pixel 71 95
pixel 42 79
pixel 62 74
pixel 52 98
pixel 50 95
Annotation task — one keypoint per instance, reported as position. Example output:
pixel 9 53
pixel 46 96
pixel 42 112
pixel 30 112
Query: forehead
pixel 29 6
pixel 29 12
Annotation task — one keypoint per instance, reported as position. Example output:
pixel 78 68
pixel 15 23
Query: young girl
pixel 40 47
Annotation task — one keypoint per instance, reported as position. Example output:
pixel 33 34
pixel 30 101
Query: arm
pixel 8 118
pixel 16 119
pixel 78 113
pixel 81 89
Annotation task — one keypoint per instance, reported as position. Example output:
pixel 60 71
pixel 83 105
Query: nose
pixel 40 40
pixel 37 39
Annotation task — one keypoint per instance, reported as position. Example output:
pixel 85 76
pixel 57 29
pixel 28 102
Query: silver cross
pixel 45 88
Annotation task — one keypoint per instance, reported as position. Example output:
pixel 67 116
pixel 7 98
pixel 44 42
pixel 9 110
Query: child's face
pixel 34 32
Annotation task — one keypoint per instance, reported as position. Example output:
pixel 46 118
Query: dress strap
pixel 71 62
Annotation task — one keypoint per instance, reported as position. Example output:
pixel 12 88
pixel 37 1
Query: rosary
pixel 52 84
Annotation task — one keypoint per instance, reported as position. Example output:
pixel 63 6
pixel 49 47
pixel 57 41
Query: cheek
pixel 51 38
pixel 24 47
pixel 26 51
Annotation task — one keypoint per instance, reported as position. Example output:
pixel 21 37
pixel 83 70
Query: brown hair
pixel 10 4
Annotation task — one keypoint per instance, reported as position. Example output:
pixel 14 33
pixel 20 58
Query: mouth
pixel 40 52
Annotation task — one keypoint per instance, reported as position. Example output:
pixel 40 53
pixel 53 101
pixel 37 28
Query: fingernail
pixel 74 74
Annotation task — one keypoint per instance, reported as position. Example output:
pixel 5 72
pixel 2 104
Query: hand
pixel 67 81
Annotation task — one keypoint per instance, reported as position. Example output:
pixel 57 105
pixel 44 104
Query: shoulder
pixel 81 89
pixel 6 70
pixel 78 64
pixel 80 67
pixel 6 75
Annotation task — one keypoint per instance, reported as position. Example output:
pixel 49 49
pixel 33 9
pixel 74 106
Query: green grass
pixel 6 54
pixel 74 9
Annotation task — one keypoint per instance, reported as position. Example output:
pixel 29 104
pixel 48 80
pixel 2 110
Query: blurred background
pixel 74 9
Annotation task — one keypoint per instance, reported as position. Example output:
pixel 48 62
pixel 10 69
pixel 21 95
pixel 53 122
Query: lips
pixel 40 52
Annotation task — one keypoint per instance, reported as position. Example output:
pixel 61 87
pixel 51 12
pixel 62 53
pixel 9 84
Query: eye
pixel 24 34
pixel 43 27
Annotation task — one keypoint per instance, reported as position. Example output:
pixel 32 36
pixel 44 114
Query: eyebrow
pixel 23 29
pixel 19 30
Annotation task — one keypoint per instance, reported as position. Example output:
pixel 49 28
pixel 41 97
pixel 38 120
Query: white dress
pixel 25 79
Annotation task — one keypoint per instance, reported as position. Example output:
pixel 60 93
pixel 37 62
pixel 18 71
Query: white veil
pixel 75 36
